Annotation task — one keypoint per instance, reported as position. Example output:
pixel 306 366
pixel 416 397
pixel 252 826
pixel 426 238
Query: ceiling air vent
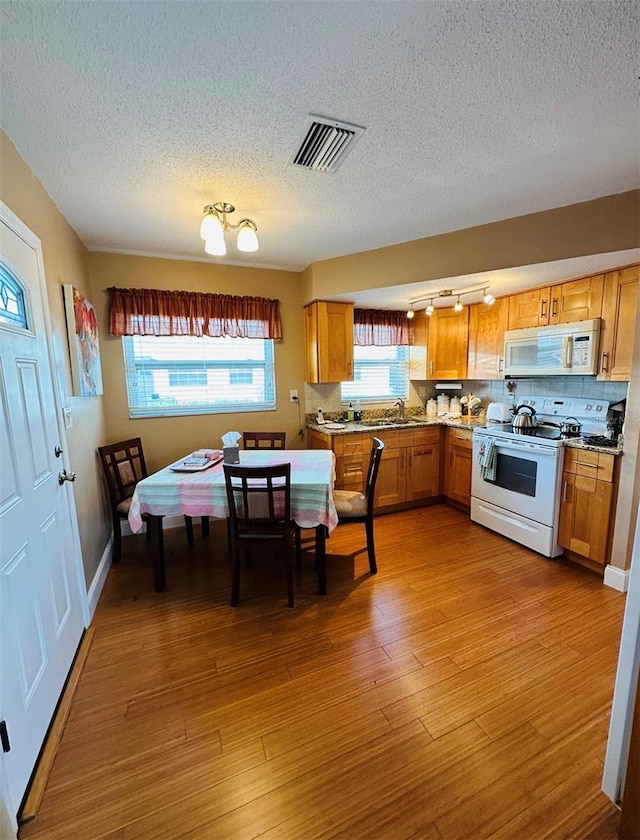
pixel 325 144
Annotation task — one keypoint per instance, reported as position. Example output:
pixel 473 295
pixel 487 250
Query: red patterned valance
pixel 156 312
pixel 381 327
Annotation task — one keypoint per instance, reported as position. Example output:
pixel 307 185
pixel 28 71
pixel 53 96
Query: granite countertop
pixel 480 421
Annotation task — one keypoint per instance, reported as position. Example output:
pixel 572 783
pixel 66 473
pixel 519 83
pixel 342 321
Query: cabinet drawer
pixel 589 464
pixel 461 437
pixel 425 437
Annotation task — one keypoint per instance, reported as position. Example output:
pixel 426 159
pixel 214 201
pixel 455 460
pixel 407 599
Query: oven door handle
pixel 523 448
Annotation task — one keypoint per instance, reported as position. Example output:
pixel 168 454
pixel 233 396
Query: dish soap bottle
pixel 357 414
pixel 350 413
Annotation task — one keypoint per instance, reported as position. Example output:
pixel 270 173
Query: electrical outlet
pixel 293 395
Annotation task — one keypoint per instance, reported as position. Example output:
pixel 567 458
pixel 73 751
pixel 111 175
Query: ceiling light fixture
pixel 215 224
pixel 430 309
pixel 488 298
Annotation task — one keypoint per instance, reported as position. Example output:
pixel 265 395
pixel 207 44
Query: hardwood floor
pixel 463 692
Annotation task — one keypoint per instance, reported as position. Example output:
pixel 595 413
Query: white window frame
pixel 350 392
pixel 139 365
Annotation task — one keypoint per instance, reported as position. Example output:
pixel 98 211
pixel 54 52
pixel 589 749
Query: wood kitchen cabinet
pixel 487 325
pixel 618 324
pixel 576 300
pixel 447 343
pixel 410 470
pixel 587 507
pixel 457 470
pixel 329 341
pixel 418 350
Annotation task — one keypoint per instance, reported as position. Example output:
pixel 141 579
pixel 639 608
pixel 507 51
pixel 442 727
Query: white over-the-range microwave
pixel 558 350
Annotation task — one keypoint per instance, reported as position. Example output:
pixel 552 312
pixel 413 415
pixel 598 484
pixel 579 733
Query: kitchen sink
pixel 385 421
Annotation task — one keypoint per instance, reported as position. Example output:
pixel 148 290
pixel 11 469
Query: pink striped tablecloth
pixel 168 493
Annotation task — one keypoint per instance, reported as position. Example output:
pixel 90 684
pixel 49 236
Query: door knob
pixel 65 476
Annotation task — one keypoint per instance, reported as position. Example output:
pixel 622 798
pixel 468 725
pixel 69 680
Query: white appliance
pixel 558 350
pixel 499 411
pixel 522 500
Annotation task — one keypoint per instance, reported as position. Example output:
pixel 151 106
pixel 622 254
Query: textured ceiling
pixel 134 115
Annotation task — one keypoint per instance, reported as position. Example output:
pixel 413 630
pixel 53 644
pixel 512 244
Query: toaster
pixel 499 412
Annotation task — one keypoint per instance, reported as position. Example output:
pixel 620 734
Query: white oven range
pixel 516 492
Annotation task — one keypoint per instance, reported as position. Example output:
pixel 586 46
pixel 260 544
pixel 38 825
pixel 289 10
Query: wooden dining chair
pixel 353 506
pixel 259 500
pixel 264 440
pixel 124 466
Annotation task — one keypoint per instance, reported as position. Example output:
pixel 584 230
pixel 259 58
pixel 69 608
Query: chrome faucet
pixel 400 403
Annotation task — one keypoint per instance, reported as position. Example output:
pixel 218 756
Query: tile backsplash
pixel 327 396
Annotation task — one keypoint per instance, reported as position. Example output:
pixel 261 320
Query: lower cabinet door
pixel 391 484
pixel 584 516
pixel 423 480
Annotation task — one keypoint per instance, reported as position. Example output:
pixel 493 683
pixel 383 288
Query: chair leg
pixel 235 578
pixel 289 572
pixel 204 524
pixel 298 542
pixel 371 548
pixel 188 522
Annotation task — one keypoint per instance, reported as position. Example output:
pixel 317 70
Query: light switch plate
pixel 68 417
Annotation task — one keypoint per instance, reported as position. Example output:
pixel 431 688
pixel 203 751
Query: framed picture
pixel 84 346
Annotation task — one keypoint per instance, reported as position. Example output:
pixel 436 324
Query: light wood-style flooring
pixel 462 693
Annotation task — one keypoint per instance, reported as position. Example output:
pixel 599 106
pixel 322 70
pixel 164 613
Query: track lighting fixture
pixel 215 225
pixel 487 297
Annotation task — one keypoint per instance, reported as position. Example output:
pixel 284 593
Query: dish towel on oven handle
pixel 487 458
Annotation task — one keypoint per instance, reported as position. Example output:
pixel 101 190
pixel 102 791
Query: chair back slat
pixel 259 500
pixel 124 466
pixel 377 448
pixel 264 440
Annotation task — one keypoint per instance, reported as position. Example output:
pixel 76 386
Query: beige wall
pixel 608 224
pixel 594 227
pixel 65 261
pixel 168 438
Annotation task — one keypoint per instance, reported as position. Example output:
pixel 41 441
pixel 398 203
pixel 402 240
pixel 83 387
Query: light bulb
pixel 211 227
pixel 410 312
pixel 247 238
pixel 216 246
pixel 458 306
pixel 429 310
pixel 488 298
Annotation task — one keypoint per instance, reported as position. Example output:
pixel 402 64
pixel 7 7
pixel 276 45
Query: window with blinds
pixel 379 373
pixel 174 375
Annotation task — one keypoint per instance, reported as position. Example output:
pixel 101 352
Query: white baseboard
pixel 616 578
pixel 97 584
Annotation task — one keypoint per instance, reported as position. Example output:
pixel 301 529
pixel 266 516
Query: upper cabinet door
pixel 618 323
pixel 577 300
pixel 329 340
pixel 487 325
pixel 529 309
pixel 448 342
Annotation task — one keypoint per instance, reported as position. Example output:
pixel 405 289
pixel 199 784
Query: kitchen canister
pixel 455 409
pixel 443 404
pixel 431 408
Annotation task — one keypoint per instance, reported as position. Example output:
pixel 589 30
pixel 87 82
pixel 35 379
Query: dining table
pixel 175 490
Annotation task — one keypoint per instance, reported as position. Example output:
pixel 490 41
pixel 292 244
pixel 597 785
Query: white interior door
pixel 41 600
